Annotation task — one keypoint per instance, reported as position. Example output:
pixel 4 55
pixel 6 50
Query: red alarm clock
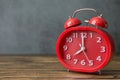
pixel 85 48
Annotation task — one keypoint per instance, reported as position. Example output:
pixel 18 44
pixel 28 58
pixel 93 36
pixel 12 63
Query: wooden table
pixel 49 68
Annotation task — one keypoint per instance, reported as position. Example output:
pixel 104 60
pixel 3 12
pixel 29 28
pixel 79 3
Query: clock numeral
pixel 91 63
pixel 99 39
pixel 75 35
pixel 83 62
pixel 84 34
pixel 99 58
pixel 65 47
pixel 68 56
pixel 103 49
pixel 69 40
pixel 75 61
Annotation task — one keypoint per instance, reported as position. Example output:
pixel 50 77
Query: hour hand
pixel 79 51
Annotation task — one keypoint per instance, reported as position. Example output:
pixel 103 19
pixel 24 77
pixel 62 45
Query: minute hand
pixel 82 36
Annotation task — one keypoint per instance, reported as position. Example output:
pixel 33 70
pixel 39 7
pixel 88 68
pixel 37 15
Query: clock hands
pixel 83 37
pixel 79 51
pixel 86 56
pixel 82 48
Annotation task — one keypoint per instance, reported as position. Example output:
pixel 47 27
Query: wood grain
pixel 48 68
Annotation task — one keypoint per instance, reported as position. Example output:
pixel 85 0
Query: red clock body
pixel 84 48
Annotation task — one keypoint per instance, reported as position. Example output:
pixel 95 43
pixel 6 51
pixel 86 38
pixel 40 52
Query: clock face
pixel 84 50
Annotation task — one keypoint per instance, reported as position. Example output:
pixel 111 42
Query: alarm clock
pixel 85 48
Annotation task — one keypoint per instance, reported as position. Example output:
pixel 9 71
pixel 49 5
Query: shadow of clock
pixel 111 72
pixel 105 74
pixel 115 73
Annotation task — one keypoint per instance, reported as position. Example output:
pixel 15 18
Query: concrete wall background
pixel 32 26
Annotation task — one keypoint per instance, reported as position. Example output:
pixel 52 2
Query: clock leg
pixel 99 72
pixel 68 70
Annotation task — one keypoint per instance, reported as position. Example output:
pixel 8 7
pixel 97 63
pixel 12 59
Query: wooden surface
pixel 49 68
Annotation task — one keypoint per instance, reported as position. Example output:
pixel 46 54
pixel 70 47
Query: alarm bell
pixel 71 22
pixel 98 21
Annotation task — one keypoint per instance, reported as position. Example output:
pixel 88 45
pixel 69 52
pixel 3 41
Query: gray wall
pixel 32 26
